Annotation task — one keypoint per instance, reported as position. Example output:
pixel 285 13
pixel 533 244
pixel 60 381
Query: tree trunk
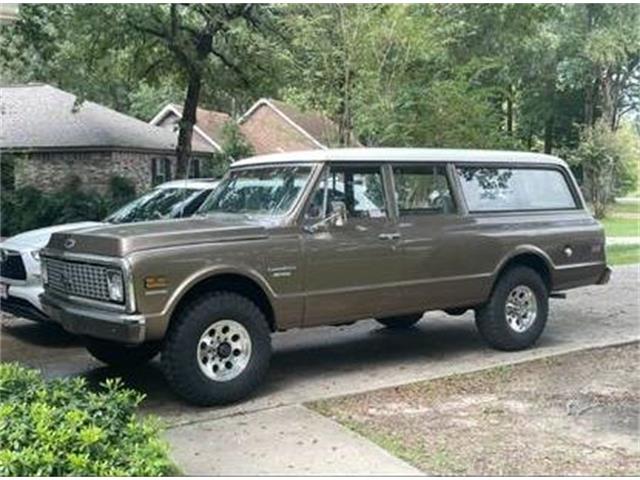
pixel 183 150
pixel 548 135
pixel 589 104
pixel 189 109
pixel 510 111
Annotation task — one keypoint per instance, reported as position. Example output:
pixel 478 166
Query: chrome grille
pixel 77 278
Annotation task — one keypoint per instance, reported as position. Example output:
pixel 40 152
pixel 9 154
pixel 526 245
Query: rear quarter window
pixel 495 189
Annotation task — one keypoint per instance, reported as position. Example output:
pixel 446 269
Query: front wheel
pixel 121 355
pixel 217 350
pixel 399 322
pixel 516 314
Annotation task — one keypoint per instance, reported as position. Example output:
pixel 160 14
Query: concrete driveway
pixel 325 362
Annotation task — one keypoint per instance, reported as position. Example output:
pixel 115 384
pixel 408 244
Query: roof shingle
pixel 42 117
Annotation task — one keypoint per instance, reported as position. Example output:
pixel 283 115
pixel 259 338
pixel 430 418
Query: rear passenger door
pixel 435 240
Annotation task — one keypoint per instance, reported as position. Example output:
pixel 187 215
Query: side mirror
pixel 339 216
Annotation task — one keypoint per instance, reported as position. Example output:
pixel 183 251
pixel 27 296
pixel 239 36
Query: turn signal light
pixel 154 282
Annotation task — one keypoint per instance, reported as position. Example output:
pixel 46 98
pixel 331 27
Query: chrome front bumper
pixel 92 322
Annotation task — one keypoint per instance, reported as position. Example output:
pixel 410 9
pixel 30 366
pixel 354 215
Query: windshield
pixel 158 204
pixel 258 191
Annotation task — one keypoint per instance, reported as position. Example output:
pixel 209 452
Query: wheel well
pixel 232 283
pixel 533 261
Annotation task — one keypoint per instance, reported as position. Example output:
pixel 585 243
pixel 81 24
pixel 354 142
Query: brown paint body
pixel 335 274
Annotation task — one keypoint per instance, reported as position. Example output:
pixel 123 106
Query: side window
pixel 360 188
pixel 422 190
pixel 504 189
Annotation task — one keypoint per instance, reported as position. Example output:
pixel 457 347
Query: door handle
pixel 389 236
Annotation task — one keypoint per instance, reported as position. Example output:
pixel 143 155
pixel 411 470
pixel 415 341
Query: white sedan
pixel 20 280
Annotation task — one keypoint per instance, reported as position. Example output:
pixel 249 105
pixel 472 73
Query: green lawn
pixel 625 208
pixel 621 227
pixel 623 254
pixel 623 220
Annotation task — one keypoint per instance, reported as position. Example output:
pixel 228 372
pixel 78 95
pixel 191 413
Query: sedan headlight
pixel 115 285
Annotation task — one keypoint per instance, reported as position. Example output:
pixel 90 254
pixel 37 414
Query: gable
pixel 268 132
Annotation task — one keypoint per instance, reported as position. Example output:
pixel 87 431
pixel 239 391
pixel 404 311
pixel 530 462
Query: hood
pixel 37 239
pixel 120 240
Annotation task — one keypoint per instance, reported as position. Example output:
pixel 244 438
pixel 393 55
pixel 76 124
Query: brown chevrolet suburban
pixel 327 237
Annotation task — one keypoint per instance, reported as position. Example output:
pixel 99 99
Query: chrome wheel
pixel 521 308
pixel 224 350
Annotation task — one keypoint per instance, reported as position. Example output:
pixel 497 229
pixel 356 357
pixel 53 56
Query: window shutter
pixel 154 171
pixel 195 168
pixel 167 169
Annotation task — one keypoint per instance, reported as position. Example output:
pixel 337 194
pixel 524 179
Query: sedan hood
pixel 120 240
pixel 37 239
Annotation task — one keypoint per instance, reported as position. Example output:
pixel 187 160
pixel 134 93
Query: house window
pixel 194 168
pixel 160 170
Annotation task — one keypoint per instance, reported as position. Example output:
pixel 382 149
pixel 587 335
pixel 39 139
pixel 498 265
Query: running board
pixel 561 295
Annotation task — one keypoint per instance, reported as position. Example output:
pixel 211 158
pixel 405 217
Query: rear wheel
pixel 217 350
pixel 516 314
pixel 402 321
pixel 122 355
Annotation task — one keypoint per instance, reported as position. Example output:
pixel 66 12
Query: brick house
pixel 208 130
pixel 272 126
pixel 47 138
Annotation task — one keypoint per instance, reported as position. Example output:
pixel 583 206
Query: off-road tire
pixel 401 321
pixel 179 355
pixel 491 319
pixel 121 355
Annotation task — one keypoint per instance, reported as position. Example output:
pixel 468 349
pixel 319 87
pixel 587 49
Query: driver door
pixel 350 267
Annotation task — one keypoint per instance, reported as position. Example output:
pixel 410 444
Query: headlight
pixel 115 285
pixel 36 255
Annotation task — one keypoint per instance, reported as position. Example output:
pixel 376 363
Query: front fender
pixel 210 272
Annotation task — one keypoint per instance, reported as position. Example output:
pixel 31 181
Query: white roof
pixel 400 155
pixel 191 183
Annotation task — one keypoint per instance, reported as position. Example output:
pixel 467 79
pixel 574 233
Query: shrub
pixel 62 427
pixel 234 147
pixel 121 190
pixel 609 162
pixel 29 208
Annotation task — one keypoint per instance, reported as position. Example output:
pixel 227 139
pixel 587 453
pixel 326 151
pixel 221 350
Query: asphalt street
pixel 331 361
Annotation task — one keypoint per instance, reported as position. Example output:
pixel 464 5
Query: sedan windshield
pixel 258 191
pixel 158 204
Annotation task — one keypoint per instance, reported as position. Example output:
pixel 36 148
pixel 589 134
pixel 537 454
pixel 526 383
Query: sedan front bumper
pixel 93 322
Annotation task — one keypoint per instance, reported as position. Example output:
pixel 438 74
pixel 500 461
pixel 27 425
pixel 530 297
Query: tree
pixel 234 147
pixel 191 35
pixel 135 58
pixel 69 47
pixel 609 161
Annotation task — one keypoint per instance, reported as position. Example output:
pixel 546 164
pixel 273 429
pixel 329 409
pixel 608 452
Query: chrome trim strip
pixel 580 265
pixel 406 283
pixel 112 307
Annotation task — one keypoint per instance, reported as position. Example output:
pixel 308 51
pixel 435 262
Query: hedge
pixel 29 208
pixel 62 427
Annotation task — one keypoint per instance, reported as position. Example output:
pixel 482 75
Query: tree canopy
pixel 524 76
